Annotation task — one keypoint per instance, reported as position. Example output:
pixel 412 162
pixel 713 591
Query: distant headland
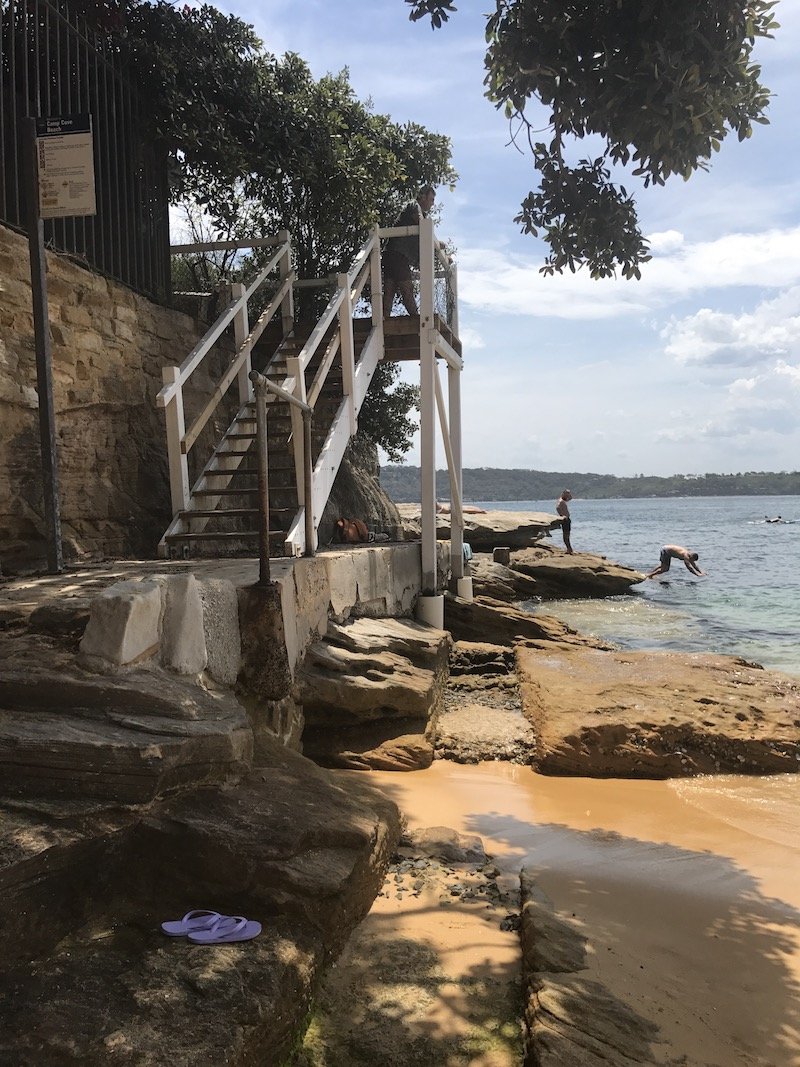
pixel 496 483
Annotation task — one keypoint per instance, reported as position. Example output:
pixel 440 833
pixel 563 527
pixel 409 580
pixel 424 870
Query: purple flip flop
pixel 191 922
pixel 232 928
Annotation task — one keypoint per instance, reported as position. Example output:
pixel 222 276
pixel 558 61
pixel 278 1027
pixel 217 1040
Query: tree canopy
pixel 261 145
pixel 661 82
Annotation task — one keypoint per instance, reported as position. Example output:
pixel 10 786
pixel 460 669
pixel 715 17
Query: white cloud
pixel 667 241
pixel 754 409
pixel 502 282
pixel 471 339
pixel 749 339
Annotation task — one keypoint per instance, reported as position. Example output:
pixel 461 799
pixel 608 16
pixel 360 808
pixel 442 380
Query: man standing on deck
pixel 562 509
pixel 671 552
pixel 401 253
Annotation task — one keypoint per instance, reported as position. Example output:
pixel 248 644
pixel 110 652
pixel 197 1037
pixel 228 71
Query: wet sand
pixel 688 893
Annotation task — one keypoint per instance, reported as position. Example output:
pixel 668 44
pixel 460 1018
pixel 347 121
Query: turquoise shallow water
pixel 749 603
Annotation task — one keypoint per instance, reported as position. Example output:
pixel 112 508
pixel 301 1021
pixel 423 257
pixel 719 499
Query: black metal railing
pixel 53 63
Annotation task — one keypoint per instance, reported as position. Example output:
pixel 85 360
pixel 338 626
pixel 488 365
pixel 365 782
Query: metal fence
pixel 52 63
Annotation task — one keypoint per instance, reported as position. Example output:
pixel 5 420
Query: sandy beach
pixel 687 892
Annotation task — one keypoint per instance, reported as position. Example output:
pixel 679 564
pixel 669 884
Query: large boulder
pixel 486 619
pixel 357 494
pixel 484 530
pixel 371 691
pixel 581 574
pixel 571 1019
pixel 129 739
pixel 657 714
pixel 88 977
pixel 499 582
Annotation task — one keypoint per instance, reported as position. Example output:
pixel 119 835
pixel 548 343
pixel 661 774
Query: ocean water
pixel 749 603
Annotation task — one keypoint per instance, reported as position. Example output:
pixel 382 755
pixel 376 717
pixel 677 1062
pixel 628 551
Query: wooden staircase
pixel 222 518
pixel 306 386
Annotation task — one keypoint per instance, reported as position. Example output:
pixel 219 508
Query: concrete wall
pixel 207 619
pixel 109 345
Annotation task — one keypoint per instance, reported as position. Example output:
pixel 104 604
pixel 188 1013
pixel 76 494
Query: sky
pixel 693 369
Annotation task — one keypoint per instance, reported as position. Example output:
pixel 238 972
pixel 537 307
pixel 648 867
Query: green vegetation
pixel 491 483
pixel 257 145
pixel 656 84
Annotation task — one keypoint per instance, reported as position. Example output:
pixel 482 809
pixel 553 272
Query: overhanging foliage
pixel 662 82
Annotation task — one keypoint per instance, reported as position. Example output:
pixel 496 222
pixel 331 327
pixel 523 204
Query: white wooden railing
pixel 335 325
pixel 171 397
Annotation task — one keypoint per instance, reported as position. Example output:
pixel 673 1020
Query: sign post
pixel 60 183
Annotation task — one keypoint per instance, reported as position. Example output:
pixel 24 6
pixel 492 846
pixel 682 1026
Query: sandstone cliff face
pixel 108 346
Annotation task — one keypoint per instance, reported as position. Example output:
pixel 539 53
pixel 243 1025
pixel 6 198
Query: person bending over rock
pixel 671 552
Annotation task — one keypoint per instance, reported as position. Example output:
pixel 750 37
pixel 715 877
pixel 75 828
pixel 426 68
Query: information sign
pixel 65 159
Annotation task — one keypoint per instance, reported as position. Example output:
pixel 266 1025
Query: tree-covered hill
pixel 493 483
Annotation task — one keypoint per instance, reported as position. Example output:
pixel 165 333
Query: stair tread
pixel 213 513
pixel 227 535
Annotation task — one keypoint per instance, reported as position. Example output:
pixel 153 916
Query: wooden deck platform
pixel 401 335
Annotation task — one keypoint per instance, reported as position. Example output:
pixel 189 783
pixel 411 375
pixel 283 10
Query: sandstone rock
pixel 505 625
pixel 571 1019
pixel 357 493
pixel 657 714
pixel 578 575
pixel 484 532
pixel 373 746
pixel 443 843
pixel 492 579
pixel 86 974
pixel 126 740
pixel 421 645
pixel 481 658
pixel 339 687
pixel 67 617
pixel 371 691
pixel 474 732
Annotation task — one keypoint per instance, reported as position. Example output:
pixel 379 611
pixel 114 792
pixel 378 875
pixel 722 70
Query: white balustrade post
pixel 241 329
pixel 347 350
pixel 427 420
pixel 456 521
pixel 454 296
pixel 295 370
pixel 176 428
pixel 285 267
pixel 376 280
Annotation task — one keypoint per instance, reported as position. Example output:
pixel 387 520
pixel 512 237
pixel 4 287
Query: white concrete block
pixel 183 642
pixel 124 623
pixel 221 628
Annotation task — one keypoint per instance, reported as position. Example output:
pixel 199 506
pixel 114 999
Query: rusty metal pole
pixel 44 358
pixel 263 486
pixel 307 478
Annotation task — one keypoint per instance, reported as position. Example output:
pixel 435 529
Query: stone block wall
pixel 109 345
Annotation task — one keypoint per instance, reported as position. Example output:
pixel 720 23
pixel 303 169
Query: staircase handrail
pixel 361 265
pixel 263 382
pixel 212 335
pixel 237 363
pixel 170 397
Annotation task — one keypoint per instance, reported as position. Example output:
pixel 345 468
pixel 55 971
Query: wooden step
pixel 233 513
pixel 241 535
